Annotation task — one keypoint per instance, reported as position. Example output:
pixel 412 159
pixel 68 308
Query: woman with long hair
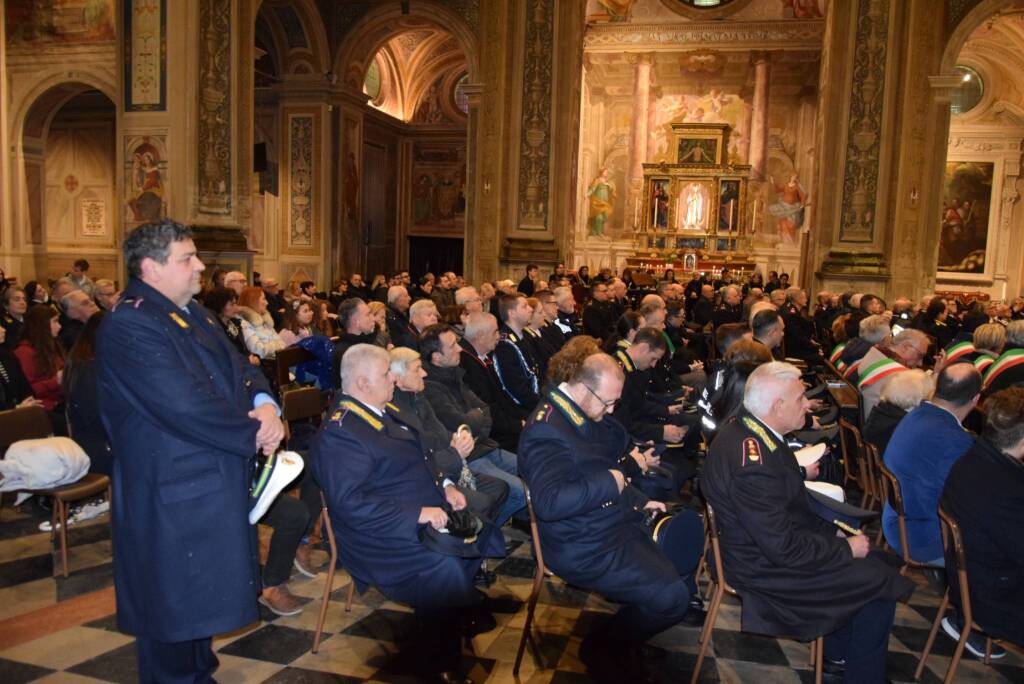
pixel 224 304
pixel 380 320
pixel 15 304
pixel 83 399
pixel 298 322
pixel 257 324
pixel 41 355
pixel 325 319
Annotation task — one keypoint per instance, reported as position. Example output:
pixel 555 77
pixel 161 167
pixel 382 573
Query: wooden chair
pixel 285 359
pixel 34 423
pixel 325 520
pixel 876 463
pixel 720 587
pixel 894 495
pixel 531 604
pixel 853 451
pixel 951 536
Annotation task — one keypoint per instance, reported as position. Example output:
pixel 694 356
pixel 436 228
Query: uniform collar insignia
pixel 567 407
pixel 370 419
pixel 393 407
pixel 758 430
pixel 179 320
pixel 627 362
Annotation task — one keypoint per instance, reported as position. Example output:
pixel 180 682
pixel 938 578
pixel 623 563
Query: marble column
pixel 652 116
pixel 637 135
pixel 759 115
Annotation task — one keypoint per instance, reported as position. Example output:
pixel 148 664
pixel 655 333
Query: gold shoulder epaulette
pixel 754 427
pixel 371 420
pixel 568 409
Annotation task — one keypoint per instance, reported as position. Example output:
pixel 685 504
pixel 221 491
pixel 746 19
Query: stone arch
pixel 986 9
pixel 312 55
pixel 362 41
pixel 37 106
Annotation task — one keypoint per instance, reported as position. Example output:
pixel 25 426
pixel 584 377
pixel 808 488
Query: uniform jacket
pixel 376 476
pixel 799 335
pixel 796 577
pixel 15 329
pixel 598 319
pixel 993 536
pixel 517 369
pixel 564 458
pixel 569 324
pixel 727 314
pixel 643 418
pixel 176 395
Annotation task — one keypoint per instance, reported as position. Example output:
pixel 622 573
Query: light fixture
pixel 967 77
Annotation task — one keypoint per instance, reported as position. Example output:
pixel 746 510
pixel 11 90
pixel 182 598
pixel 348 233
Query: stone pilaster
pixel 759 115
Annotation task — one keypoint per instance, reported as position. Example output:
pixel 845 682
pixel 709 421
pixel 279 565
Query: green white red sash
pixel 880 369
pixel 983 362
pixel 960 350
pixel 836 353
pixel 1009 359
pixel 848 373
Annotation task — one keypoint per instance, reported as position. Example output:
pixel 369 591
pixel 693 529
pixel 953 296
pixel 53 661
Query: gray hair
pixel 762 387
pixel 792 292
pixel 357 360
pixel 1015 333
pixel 561 293
pixel 477 324
pixel 653 299
pixel 874 329
pixel 914 336
pixel 65 301
pixel 395 292
pixel 104 282
pixel 464 294
pixel 908 389
pixel 420 306
pixel 401 357
pixel 152 241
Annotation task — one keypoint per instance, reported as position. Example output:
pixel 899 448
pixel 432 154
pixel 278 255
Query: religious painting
pixel 790 202
pixel 700 143
pixel 62 22
pixel 693 205
pixel 690 243
pixel 728 205
pixel 438 187
pixel 966 206
pixel 690 262
pixel 600 202
pixel 659 203
pixel 145 178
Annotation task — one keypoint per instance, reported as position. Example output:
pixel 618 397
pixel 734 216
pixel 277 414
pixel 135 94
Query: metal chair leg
pixel 531 606
pixel 931 635
pixel 958 653
pixel 709 625
pixel 351 596
pixel 63 534
pixel 819 659
pixel 330 581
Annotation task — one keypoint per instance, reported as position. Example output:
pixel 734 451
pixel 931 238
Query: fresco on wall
pixel 60 22
pixel 963 240
pixel 146 172
pixel 438 187
pixel 713 107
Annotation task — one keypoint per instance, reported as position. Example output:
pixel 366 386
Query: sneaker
pixel 280 601
pixel 277 473
pixel 304 561
pixel 74 516
pixel 93 510
pixel 975 642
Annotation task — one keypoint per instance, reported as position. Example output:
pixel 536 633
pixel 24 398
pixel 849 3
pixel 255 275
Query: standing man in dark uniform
pixel 598 315
pixel 796 577
pixel 185 414
pixel 588 517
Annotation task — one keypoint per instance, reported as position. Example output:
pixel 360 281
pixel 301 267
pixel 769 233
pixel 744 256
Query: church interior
pixel 869 146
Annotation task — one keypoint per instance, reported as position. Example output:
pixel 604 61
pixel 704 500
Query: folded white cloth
pixel 830 490
pixel 42 464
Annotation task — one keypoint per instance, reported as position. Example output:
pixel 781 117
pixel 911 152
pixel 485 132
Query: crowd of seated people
pixel 608 401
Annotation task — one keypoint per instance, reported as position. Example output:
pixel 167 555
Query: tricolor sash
pixel 882 368
pixel 836 353
pixel 958 351
pixel 1009 359
pixel 983 362
pixel 848 373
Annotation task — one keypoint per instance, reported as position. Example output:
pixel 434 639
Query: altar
pixel 693 213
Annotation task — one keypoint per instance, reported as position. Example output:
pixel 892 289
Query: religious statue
pixel 694 207
pixel 789 210
pixel 661 204
pixel 602 202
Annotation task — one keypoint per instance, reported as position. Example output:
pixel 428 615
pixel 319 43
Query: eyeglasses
pixel 608 405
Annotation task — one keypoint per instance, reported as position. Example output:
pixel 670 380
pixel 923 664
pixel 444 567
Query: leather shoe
pixel 280 601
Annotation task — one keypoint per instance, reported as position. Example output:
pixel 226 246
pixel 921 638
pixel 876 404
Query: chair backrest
pixel 894 495
pixel 534 532
pixel 286 358
pixel 853 451
pixel 716 547
pixel 951 535
pixel 30 422
pixel 301 403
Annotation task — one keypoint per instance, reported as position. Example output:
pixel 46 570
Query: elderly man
pixel 185 415
pixel 731 309
pixel 78 307
pixel 568 321
pixel 796 576
pixel 777 297
pixel 873 330
pixel 704 308
pixel 276 304
pixel 456 405
pixel 236 282
pixel 618 298
pixel 469 298
pixel 906 350
pixel 422 315
pixel 381 493
pixel 59 289
pixel 105 294
pixel 589 517
pixel 397 315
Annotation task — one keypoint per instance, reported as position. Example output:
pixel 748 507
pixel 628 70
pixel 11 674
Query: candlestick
pixel 731 202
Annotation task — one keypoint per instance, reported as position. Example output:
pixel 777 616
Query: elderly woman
pixel 989 340
pixel 15 306
pixel 485 495
pixel 902 394
pixel 257 324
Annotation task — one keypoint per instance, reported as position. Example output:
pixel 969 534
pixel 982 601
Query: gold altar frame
pixel 691 135
pixel 682 174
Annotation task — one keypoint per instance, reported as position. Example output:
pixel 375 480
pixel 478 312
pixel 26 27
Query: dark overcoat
pixel 175 395
pixel 376 477
pixel 796 578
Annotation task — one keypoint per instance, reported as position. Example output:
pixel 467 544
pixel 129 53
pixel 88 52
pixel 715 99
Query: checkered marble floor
pixel 361 645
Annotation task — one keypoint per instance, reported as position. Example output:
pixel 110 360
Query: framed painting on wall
pixel 965 225
pixel 702 144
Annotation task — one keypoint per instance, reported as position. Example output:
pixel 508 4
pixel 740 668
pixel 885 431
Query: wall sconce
pixel 487 184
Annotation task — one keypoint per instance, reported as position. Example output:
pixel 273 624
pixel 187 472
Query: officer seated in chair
pixel 591 520
pixel 388 511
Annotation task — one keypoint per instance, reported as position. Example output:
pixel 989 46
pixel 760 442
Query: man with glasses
pixel 906 350
pixel 590 518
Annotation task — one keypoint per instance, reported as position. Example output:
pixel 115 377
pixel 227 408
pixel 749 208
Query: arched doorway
pixel 69 201
pixel 978 252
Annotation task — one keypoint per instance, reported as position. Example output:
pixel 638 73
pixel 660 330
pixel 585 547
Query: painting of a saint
pixel 789 209
pixel 697 151
pixel 146 197
pixel 693 206
pixel 659 204
pixel 729 206
pixel 422 199
pixel 963 240
pixel 601 194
